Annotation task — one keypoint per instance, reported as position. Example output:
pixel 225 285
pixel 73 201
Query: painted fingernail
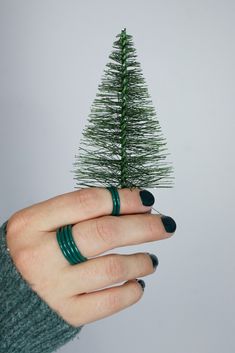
pixel 169 224
pixel 142 283
pixel 154 260
pixel 147 198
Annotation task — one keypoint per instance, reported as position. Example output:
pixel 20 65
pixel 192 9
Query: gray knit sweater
pixel 27 323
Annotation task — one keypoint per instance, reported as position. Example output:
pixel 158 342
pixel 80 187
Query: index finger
pixel 83 204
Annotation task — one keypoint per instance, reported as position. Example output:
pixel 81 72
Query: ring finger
pixel 106 270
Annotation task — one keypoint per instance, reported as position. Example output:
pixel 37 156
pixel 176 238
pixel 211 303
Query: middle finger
pixel 95 236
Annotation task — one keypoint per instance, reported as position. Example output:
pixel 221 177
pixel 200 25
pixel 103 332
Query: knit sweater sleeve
pixel 27 323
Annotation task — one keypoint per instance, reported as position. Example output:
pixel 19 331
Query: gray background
pixel 52 57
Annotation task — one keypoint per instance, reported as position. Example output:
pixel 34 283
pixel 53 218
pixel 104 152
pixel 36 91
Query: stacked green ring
pixel 68 245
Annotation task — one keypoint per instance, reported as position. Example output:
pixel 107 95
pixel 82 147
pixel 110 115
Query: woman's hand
pixel 77 292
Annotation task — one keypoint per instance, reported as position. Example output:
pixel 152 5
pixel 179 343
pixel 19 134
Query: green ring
pixel 111 189
pixel 71 251
pixel 116 200
pixel 74 245
pixel 113 199
pixel 66 246
pixel 61 245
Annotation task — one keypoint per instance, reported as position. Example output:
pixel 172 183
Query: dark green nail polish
pixel 169 224
pixel 142 283
pixel 154 260
pixel 147 198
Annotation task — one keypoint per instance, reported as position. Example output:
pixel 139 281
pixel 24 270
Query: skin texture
pixel 94 289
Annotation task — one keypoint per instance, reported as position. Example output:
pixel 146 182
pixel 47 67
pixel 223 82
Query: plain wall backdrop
pixel 52 57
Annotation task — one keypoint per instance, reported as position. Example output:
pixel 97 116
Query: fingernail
pixel 154 260
pixel 142 283
pixel 169 224
pixel 147 198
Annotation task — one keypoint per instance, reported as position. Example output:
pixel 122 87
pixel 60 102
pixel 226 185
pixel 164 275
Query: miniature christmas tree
pixel 122 145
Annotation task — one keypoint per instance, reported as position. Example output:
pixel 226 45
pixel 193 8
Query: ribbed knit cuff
pixel 27 323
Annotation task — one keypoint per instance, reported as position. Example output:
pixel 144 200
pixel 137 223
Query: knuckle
pixel 87 198
pixel 84 197
pixel 113 301
pixel 17 222
pixel 115 269
pixel 105 230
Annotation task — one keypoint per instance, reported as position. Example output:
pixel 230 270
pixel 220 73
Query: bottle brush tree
pixel 122 143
